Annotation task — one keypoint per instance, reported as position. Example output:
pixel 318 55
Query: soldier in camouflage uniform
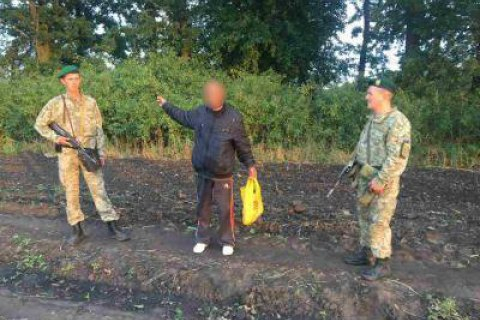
pixel 381 156
pixel 79 115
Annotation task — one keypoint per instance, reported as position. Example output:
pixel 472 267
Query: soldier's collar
pixel 381 117
pixel 82 97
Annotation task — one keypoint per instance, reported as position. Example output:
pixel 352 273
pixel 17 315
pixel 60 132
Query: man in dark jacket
pixel 219 136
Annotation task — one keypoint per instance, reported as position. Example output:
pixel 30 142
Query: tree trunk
pixel 412 38
pixel 183 29
pixel 476 37
pixel 412 41
pixel 186 41
pixel 42 45
pixel 366 39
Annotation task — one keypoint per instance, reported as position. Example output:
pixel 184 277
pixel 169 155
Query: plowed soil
pixel 287 266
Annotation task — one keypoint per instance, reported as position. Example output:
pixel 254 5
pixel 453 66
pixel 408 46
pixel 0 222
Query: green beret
pixel 66 70
pixel 384 83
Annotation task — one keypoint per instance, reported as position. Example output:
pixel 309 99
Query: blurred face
pixel 378 99
pixel 72 82
pixel 214 95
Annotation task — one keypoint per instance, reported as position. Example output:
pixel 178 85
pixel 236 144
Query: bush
pixel 126 96
pixel 277 115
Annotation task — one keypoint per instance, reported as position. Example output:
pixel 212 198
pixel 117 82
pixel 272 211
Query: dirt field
pixel 289 266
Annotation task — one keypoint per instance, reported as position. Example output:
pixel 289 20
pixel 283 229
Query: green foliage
pixel 30 259
pixel 339 115
pixel 444 129
pixel 33 261
pixel 294 38
pixel 437 35
pixel 445 309
pixel 60 30
pixel 286 36
pixel 179 314
pixel 20 240
pixel 277 115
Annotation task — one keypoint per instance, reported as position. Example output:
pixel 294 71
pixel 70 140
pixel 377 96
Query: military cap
pixel 384 83
pixel 66 70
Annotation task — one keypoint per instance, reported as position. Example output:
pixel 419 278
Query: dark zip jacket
pixel 219 135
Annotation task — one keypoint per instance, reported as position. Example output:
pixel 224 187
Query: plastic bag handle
pixel 255 184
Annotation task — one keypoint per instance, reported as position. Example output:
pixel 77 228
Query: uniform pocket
pixel 366 198
pixel 405 150
pixel 367 171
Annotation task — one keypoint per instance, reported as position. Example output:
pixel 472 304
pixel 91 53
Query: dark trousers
pixel 210 191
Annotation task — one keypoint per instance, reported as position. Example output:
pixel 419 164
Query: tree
pixel 438 37
pixel 157 25
pixel 371 51
pixel 289 37
pixel 475 29
pixel 404 21
pixel 52 30
pixel 366 39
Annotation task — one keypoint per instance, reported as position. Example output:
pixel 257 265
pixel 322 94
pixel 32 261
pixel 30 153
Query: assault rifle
pixel 345 171
pixel 89 157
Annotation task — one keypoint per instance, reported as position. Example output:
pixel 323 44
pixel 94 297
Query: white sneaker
pixel 227 250
pixel 199 247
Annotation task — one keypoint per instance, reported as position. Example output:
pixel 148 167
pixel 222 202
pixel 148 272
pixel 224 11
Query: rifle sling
pixel 66 112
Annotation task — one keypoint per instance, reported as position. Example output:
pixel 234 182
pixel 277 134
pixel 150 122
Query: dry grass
pixel 457 158
pixel 307 154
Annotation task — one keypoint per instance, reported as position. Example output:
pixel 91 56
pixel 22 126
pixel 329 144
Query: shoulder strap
pixel 390 125
pixel 67 113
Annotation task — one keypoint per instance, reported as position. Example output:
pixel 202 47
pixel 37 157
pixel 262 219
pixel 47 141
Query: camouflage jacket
pixel 385 144
pixel 85 116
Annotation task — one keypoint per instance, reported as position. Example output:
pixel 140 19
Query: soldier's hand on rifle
pixel 161 100
pixel 375 187
pixel 62 141
pixel 103 160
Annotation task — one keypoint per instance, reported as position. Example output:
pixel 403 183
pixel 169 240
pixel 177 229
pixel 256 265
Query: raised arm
pixel 183 117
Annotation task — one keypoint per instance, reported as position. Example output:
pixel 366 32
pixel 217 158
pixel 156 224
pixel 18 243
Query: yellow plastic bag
pixel 252 201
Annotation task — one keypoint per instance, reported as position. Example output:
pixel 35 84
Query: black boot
pixel 116 232
pixel 363 257
pixel 77 236
pixel 379 271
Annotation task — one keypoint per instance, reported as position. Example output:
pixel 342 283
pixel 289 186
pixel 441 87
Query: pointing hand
pixel 161 100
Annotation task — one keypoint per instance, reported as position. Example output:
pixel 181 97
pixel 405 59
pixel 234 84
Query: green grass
pixel 21 241
pixel 67 269
pixel 33 261
pixel 179 314
pixel 30 258
pixel 444 309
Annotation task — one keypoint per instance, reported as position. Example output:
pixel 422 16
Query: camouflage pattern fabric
pixel 374 220
pixel 87 128
pixel 384 144
pixel 86 121
pixel 69 172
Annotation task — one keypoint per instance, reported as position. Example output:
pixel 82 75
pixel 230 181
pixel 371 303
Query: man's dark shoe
pixel 379 271
pixel 78 235
pixel 116 232
pixel 363 257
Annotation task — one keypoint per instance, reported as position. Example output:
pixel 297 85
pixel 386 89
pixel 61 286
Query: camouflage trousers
pixel 375 218
pixel 69 172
